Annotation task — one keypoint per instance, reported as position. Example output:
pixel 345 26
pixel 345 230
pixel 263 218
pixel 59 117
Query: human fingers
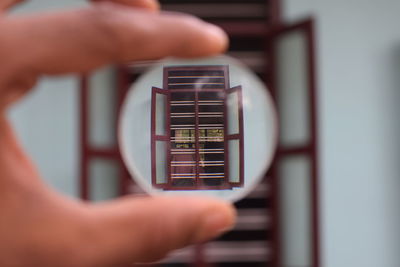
pixel 146 229
pixel 6 4
pixel 80 40
pixel 149 4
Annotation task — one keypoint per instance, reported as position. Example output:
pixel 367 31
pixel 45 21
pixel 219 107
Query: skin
pixel 39 227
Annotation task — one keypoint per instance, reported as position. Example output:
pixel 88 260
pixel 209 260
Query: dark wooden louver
pixel 194 134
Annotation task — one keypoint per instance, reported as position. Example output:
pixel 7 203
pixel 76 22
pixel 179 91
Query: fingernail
pixel 149 5
pixel 155 5
pixel 216 222
pixel 219 35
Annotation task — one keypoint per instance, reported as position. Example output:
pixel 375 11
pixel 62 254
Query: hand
pixel 39 227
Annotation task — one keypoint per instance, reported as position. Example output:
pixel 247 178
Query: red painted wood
pixel 295 150
pixel 310 150
pixel 154 137
pixel 243 29
pixel 241 135
pixel 103 153
pixel 272 175
pixel 197 137
pixel 274 12
pixel 238 136
pixel 312 70
pixel 84 142
pixel 226 143
pixel 199 257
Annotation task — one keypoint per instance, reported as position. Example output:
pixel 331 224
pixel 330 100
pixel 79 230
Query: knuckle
pixel 104 23
pixel 189 20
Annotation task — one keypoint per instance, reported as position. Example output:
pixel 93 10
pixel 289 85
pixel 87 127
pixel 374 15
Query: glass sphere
pixel 198 127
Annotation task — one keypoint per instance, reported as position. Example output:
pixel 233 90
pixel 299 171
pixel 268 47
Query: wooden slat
pixel 254 251
pixel 216 10
pixel 252 219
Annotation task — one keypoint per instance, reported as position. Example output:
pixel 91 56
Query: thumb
pixel 147 228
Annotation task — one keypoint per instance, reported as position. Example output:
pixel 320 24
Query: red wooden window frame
pixel 310 149
pixel 238 136
pixel 161 138
pixel 227 184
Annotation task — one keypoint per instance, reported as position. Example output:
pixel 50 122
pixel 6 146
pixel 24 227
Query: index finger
pixel 81 40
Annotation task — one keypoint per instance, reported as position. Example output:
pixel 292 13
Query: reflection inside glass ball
pixel 197 130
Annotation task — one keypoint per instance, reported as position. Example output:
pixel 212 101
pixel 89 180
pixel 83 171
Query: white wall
pixel 359 70
pixel 46 123
pixel 40 5
pixel 46 120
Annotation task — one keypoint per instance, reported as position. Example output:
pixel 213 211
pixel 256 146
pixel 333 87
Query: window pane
pixel 292 85
pixel 234 161
pixel 233 113
pixel 295 192
pixel 161 162
pixel 161 101
pixel 102 96
pixel 103 179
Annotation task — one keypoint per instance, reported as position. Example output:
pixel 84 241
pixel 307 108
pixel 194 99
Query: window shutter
pixel 234 144
pixel 160 135
pixel 296 167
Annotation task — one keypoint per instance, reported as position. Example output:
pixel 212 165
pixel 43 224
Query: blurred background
pixel 331 197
